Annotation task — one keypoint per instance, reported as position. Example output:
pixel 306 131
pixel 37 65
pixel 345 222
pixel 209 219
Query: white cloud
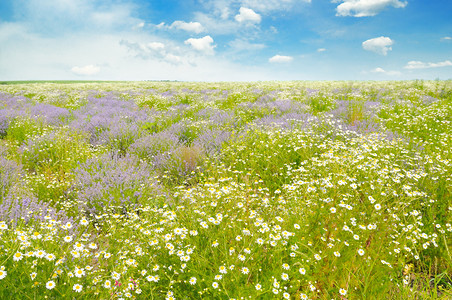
pixel 213 26
pixel 195 27
pixel 27 53
pixel 171 58
pixel 204 44
pixel 42 58
pixel 219 18
pixel 446 38
pixel 153 50
pixel 382 71
pixel 267 6
pixel 224 13
pixel 139 26
pixel 321 50
pixel 280 59
pixel 223 8
pixel 380 45
pixel 86 70
pixel 247 15
pixel 366 8
pixel 378 70
pixel 423 65
pixel 244 45
pixel 160 25
pixel 156 46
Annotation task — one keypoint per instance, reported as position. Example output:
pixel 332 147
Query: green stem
pixel 447 247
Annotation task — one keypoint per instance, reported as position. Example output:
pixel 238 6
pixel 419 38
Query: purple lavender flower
pixel 112 181
pixel 311 92
pixel 428 99
pixel 286 106
pixel 15 102
pixel 4 122
pixel 285 121
pixel 93 127
pixel 212 140
pixel 120 135
pixel 17 203
pixel 7 116
pixel 364 127
pixel 148 147
pixel 9 173
pixel 217 117
pixel 112 122
pixel 341 110
pixel 22 208
pixel 52 115
pixel 168 93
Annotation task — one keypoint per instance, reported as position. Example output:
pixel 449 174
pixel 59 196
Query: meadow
pixel 265 190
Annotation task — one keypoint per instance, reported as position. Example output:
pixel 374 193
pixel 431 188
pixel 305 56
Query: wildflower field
pixel 266 190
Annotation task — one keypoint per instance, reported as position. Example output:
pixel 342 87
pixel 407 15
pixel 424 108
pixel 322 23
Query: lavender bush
pixel 52 115
pixel 157 144
pixel 9 174
pixel 113 183
pixel 18 207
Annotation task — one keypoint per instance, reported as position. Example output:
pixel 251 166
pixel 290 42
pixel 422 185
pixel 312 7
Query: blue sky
pixel 218 40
